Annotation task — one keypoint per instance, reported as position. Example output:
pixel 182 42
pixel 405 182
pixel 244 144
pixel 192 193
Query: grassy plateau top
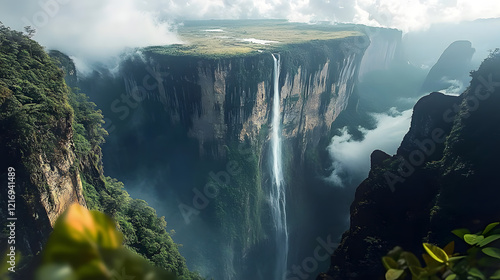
pixel 226 38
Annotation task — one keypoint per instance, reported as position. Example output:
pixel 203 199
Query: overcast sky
pixel 84 28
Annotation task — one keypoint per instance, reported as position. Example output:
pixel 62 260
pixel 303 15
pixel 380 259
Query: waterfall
pixel 277 194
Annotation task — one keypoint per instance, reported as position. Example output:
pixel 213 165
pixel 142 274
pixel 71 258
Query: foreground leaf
pixel 490 227
pixel 411 259
pixel 418 272
pixel 395 252
pixel 461 232
pixel 436 253
pixel 450 248
pixel 393 274
pixel 454 259
pixel 451 277
pixel 492 252
pixel 55 272
pixel 86 245
pixel 389 263
pixel 473 239
pixel 429 261
pixel 489 239
pixel 495 275
pixel 476 273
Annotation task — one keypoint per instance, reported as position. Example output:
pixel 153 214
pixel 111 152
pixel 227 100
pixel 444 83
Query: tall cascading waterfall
pixel 277 194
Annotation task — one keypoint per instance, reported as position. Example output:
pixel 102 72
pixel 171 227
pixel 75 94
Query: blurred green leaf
pixel 450 248
pixel 395 252
pixel 429 261
pixel 454 259
pixel 436 253
pixel 495 275
pixel 476 273
pixel 451 277
pixel 411 259
pixel 389 263
pixel 492 252
pixel 86 245
pixel 418 272
pixel 490 227
pixel 473 239
pixel 393 274
pixel 489 239
pixel 55 272
pixel 461 232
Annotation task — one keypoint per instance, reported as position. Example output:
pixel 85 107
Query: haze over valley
pixel 262 131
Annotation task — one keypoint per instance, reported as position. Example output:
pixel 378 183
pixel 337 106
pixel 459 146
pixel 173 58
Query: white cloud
pixel 413 15
pixel 456 87
pixel 351 158
pixel 89 29
pixel 95 28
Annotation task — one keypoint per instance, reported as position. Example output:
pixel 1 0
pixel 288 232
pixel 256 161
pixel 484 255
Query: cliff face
pixel 312 100
pixel 180 121
pixel 383 49
pixel 46 186
pixel 36 141
pixel 452 68
pixel 61 182
pixel 51 158
pixel 230 99
pixel 442 178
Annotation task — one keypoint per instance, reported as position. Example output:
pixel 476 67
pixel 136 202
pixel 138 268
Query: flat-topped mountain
pixel 229 37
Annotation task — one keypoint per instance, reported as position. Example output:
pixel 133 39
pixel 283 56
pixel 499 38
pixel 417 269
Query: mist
pixel 482 33
pixel 89 31
pixel 456 87
pixel 351 158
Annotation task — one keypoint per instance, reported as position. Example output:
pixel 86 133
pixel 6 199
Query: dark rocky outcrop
pixel 378 157
pixel 443 177
pixel 453 66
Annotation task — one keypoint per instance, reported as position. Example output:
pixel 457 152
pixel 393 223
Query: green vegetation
pixel 243 195
pixel 87 122
pixel 144 232
pixel 42 118
pixel 86 245
pixel 224 38
pixel 67 65
pixel 33 99
pixel 482 260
